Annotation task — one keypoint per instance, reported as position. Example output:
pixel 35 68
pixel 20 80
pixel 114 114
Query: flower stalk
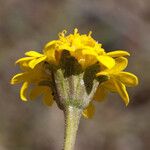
pixel 72 118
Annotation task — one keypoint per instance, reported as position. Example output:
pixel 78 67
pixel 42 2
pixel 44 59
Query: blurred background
pixel 30 24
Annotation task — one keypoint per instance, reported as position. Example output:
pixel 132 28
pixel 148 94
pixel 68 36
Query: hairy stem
pixel 72 118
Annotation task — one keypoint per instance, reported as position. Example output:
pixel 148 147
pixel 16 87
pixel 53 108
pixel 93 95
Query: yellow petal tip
pixel 12 82
pixel 24 100
pixel 127 102
pixel 118 53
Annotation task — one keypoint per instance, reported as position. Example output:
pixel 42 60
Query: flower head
pixel 72 70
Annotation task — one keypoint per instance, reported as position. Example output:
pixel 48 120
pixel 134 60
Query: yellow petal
pixel 89 111
pixel 99 51
pixel 34 62
pixel 18 78
pixel 107 61
pixel 77 43
pixel 50 44
pixel 23 91
pixel 118 53
pixel 35 92
pixel 109 85
pixel 100 94
pixel 33 54
pixel 66 47
pixel 50 53
pixel 103 73
pixel 121 64
pixel 89 52
pixel 86 57
pixel 45 91
pixel 127 78
pixel 122 91
pixel 24 65
pixel 24 59
pixel 48 97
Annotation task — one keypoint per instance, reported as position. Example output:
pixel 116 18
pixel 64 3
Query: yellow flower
pixel 45 74
pixel 33 58
pixel 83 47
pixel 117 80
pixel 34 77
